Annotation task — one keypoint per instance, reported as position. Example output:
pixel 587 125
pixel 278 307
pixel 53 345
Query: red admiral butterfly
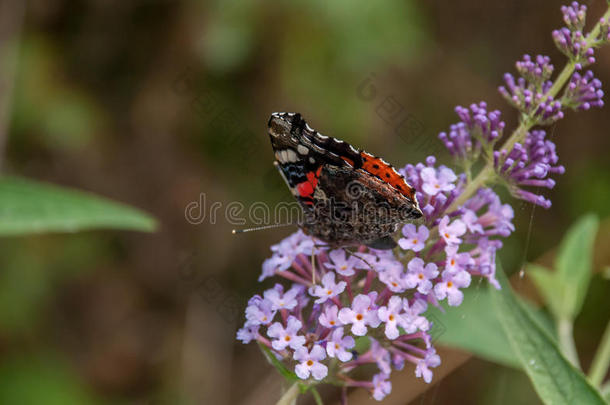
pixel 349 197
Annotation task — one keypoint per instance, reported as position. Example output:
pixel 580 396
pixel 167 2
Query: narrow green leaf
pixel 28 207
pixel 41 378
pixel 555 380
pixel 606 392
pixel 552 289
pixel 281 368
pixel 574 261
pixel 473 327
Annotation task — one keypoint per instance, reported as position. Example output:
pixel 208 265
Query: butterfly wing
pixel 311 162
pixel 301 152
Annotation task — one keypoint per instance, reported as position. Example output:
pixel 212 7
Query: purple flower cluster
pixel 478 129
pixel 315 325
pixel 570 40
pixel 583 92
pixel 530 92
pixel 530 159
pixel 377 295
pixel 529 165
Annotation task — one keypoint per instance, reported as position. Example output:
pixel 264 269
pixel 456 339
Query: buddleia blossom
pixel 311 323
pixel 529 164
pixel 363 312
pixel 432 205
pixel 478 129
pixel 583 92
pixel 570 40
pixel 530 92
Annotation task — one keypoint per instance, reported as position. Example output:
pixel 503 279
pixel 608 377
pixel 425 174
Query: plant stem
pixel 472 187
pixel 601 361
pixel 605 390
pixel 565 329
pixel 316 396
pixel 290 396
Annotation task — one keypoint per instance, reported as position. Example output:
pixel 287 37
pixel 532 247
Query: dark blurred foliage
pixel 153 102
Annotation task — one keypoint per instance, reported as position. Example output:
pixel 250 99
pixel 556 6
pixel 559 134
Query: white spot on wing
pixel 291 155
pixel 302 150
pixel 312 160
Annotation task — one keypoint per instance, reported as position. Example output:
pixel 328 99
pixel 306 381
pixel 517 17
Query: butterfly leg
pixel 357 255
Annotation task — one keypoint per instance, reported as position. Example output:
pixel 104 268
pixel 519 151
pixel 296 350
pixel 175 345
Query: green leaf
pixel 606 392
pixel 552 288
pixel 281 368
pixel 41 379
pixel 555 380
pixel 474 327
pixel 28 207
pixel 574 261
pixel 362 344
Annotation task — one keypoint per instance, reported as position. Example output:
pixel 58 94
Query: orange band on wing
pixel 387 173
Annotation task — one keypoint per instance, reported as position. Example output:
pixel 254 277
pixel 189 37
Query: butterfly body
pixel 349 197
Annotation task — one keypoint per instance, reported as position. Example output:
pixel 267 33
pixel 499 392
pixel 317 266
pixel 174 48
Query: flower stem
pixel 601 361
pixel 290 396
pixel 472 187
pixel 565 330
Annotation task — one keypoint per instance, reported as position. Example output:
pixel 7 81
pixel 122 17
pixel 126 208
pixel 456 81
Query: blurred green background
pixel 154 102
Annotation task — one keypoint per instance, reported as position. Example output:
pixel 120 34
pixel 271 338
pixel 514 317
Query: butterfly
pixel 349 197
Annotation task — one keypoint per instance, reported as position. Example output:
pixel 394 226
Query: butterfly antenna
pixel 259 228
